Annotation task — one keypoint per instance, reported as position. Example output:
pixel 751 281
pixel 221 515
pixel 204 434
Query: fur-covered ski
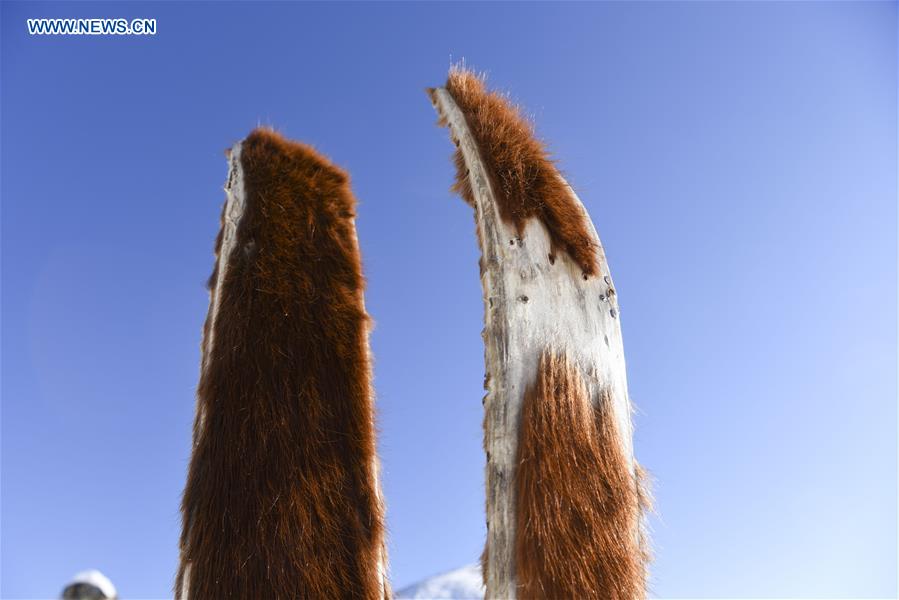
pixel 282 497
pixel 565 499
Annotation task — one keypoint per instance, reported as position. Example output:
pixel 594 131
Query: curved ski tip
pixel 526 183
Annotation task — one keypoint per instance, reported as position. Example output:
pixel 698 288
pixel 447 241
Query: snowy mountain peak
pixel 461 584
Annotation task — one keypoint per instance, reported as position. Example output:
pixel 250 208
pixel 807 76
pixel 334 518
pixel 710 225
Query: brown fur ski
pixel 282 498
pixel 564 496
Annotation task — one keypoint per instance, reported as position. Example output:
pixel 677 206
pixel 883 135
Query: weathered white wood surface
pixel 530 306
pixel 235 201
pixel 234 208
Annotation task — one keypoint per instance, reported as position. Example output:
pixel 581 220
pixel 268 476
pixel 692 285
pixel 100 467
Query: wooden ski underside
pixel 532 301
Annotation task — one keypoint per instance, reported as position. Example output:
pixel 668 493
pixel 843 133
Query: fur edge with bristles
pixel 525 181
pixel 580 501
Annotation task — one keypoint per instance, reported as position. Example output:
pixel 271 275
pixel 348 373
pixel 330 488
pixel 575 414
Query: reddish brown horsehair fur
pixel 579 500
pixel 282 499
pixel 524 179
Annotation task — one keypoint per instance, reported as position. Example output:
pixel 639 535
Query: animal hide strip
pixel 579 501
pixel 282 497
pixel 525 182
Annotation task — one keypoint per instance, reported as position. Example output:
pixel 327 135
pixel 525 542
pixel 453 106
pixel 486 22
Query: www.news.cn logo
pixel 92 26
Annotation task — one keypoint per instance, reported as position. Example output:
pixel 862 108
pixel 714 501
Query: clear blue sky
pixel 739 161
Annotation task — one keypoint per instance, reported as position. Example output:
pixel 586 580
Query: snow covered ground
pixel 461 584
